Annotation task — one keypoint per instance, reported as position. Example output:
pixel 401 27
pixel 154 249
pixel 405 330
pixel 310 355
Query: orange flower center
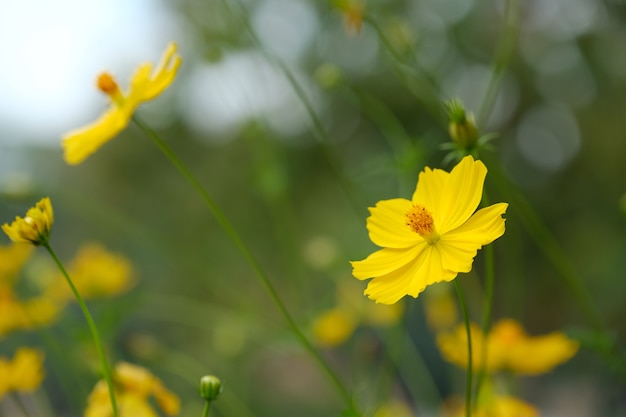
pixel 106 83
pixel 422 223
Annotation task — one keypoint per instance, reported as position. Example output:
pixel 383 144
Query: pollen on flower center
pixel 422 223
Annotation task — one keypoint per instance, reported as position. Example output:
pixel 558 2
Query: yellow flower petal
pixel 385 261
pixel 387 224
pixel 411 279
pixel 429 186
pixel 79 144
pixel 164 74
pixel 461 194
pixel 459 247
pixel 26 370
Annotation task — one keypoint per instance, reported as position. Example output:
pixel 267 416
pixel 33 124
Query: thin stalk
pixel 207 407
pixel 468 381
pixel 247 254
pixel 92 326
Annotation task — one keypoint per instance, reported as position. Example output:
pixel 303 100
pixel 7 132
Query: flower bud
pixel 34 227
pixel 210 387
pixel 462 127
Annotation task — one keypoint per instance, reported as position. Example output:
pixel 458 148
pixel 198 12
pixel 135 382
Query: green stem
pixel 247 254
pixel 470 365
pixel 207 407
pixel 92 326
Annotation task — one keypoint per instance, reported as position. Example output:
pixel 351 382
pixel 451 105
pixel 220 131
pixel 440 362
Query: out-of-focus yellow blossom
pixel 34 227
pixel 145 85
pixel 440 308
pixel 491 403
pixel 335 326
pixel 34 312
pixel 508 348
pixel 96 272
pixel 12 259
pixel 394 409
pixel 432 237
pixel 134 387
pixel 24 373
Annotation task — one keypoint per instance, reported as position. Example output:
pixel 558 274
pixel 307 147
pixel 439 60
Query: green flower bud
pixel 210 387
pixel 462 127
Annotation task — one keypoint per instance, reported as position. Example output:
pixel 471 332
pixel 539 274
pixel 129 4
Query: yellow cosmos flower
pixel 134 387
pixel 508 347
pixel 96 272
pixel 433 236
pixel 24 373
pixel 145 85
pixel 35 227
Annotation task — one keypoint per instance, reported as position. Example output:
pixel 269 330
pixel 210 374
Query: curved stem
pixel 247 254
pixel 92 326
pixel 470 365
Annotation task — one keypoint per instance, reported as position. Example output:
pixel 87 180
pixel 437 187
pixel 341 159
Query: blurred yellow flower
pixel 134 387
pixel 432 237
pixel 24 373
pixel 34 312
pixel 35 227
pixel 12 259
pixel 96 272
pixel 508 348
pixel 492 404
pixel 333 327
pixel 145 85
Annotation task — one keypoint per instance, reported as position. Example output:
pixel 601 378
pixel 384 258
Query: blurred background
pixel 296 121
